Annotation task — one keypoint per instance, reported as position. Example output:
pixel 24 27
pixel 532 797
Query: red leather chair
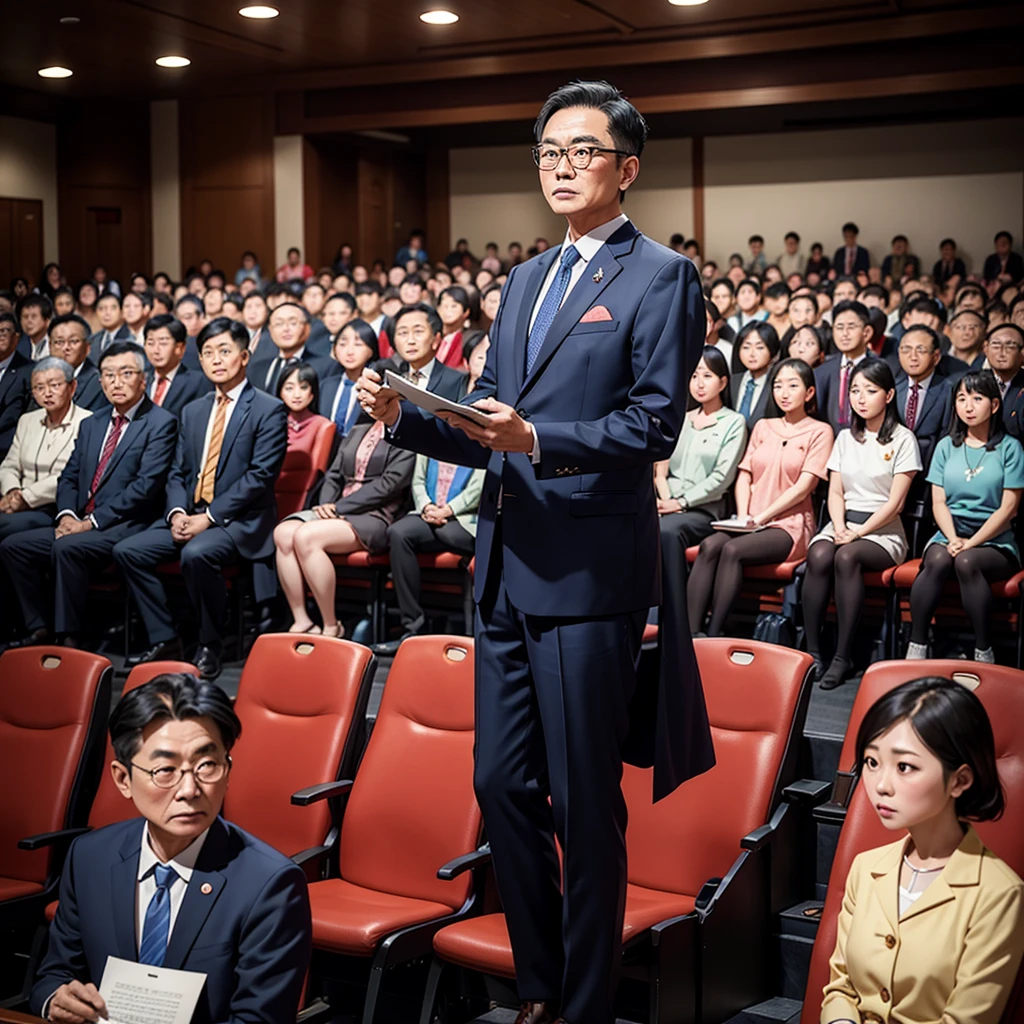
pixel 446 584
pixel 54 703
pixel 687 887
pixel 301 470
pixel 362 578
pixel 1001 690
pixel 410 809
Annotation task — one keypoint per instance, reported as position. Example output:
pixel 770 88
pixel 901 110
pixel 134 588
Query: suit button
pixel 522 414
pixel 884 995
pixel 890 941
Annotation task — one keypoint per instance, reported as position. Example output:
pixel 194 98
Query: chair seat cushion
pixel 361 560
pixel 14 888
pixel 482 943
pixel 906 573
pixel 51 910
pixel 782 571
pixel 350 919
pixel 441 560
pixel 880 579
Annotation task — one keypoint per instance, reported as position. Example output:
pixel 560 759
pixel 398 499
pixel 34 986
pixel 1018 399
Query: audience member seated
pixel 490 300
pixel 802 312
pixel 950 911
pixel 126 889
pixel 966 332
pixel 190 311
pixel 364 491
pixel 475 346
pixel 338 310
pixel 15 380
pixel 137 308
pixel 289 325
pixel 219 503
pixel 748 305
pixel 776 302
pixel 870 471
pixel 299 389
pixel 112 325
pixel 756 349
pixel 851 258
pixel 63 301
pixel 249 270
pixel 355 347
pixel 900 263
pixel 86 295
pixel 949 268
pixel 791 261
pixel 1004 264
pixel 977 474
pixel 454 309
pixel 369 298
pixel 69 340
pixel 1005 349
pixel 294 269
pixel 718 333
pixel 254 316
pixel 169 382
pixel 924 398
pixel 110 489
pixel 314 295
pixel 851 335
pixel 36 312
pixel 723 295
pixel 806 343
pixel 818 264
pixel 758 261
pixel 418 334
pixel 694 485
pixel 786 457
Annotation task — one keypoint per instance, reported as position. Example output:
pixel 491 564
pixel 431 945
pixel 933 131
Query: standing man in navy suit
pixel 109 490
pixel 220 505
pixel 586 383
pixel 178 886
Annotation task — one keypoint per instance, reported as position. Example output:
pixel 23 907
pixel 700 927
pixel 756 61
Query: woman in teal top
pixel 977 474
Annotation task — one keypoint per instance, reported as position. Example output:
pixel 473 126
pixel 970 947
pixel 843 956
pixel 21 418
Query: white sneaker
pixel 916 652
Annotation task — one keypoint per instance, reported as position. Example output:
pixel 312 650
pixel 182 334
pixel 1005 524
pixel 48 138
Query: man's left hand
pixel 188 527
pixel 68 524
pixel 507 431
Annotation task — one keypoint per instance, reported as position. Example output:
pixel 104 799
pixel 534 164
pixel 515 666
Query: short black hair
pixel 34 300
pixel 191 300
pixel 725 283
pixel 947 241
pixel 224 325
pixel 255 294
pixel 676 239
pixel 470 340
pixel 932 334
pixel 121 348
pixel 951 722
pixel 347 297
pixel 755 238
pixel 308 376
pixel 459 294
pixel 878 290
pixel 109 295
pixel 314 284
pixel 293 248
pixel 793 235
pixel 369 288
pixel 777 290
pixel 818 246
pixel 1003 234
pixel 1011 325
pixel 72 318
pixel 977 382
pixel 433 317
pixel 417 280
pixel 173 325
pixel 284 305
pixel 850 226
pixel 858 309
pixel 171 697
pixel 923 304
pixel 898 238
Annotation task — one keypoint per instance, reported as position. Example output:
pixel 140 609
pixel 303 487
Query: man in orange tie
pixel 220 504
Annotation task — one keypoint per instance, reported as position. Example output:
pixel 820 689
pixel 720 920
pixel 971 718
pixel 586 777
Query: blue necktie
pixel 341 416
pixel 748 399
pixel 157 926
pixel 549 307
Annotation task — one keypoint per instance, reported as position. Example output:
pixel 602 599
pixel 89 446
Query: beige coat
pixel 952 957
pixel 33 468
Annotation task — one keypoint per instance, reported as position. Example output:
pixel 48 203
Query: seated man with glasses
pixel 69 340
pixel 178 886
pixel 1004 350
pixel 15 380
pixel 112 487
pixel 289 325
pixel 923 396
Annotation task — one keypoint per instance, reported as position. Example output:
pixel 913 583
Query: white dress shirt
pixel 4 363
pixel 922 387
pixel 424 375
pixel 169 376
pixel 41 349
pixel 338 395
pixel 293 359
pixel 377 323
pixel 759 383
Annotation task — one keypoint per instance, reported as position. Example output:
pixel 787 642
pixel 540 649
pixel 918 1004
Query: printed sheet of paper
pixel 141 994
pixel 430 402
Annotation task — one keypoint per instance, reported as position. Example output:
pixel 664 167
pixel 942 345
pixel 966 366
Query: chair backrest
pixel 302 702
pixel 412 808
pixel 756 696
pixel 53 708
pixel 301 470
pixel 1001 690
pixel 109 806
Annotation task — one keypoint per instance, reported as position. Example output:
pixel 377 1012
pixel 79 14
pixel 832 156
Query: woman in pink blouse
pixel 786 457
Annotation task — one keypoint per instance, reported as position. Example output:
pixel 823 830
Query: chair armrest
pixel 806 792
pixel 706 894
pixel 466 862
pixel 758 838
pixel 830 813
pixel 321 791
pixel 63 835
pixel 310 855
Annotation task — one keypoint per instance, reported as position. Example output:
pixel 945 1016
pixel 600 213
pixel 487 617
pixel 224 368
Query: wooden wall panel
pixel 376 208
pixel 227 180
pixel 21 239
pixel 330 175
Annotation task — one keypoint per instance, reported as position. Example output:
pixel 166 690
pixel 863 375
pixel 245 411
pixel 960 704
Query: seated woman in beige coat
pixel 932 927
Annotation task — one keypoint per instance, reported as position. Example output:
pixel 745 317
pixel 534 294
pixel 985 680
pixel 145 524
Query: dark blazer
pixel 15 395
pixel 250 932
pixel 191 356
pixel 388 477
pixel 187 386
pixel 579 530
pixel 1014 267
pixel 123 333
pixel 259 367
pixel 760 406
pixel 862 261
pixel 444 381
pixel 826 384
pixel 932 417
pixel 253 449
pixel 941 275
pixel 328 392
pixel 1013 406
pixel 131 488
pixel 319 341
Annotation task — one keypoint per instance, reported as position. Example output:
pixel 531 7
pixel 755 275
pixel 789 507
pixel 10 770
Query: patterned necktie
pixel 204 488
pixel 108 450
pixel 850 254
pixel 748 400
pixel 107 339
pixel 341 416
pixel 550 306
pixel 162 384
pixel 912 399
pixel 445 479
pixel 157 926
pixel 844 393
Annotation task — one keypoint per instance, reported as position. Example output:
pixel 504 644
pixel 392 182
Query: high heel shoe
pixel 337 630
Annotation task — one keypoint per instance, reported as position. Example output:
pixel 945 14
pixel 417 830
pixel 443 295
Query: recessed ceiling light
pixel 70 21
pixel 173 62
pixel 687 3
pixel 439 17
pixel 55 72
pixel 259 11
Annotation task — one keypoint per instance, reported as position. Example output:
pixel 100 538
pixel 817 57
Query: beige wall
pixel 289 227
pixel 166 187
pixel 28 170
pixel 965 180
pixel 495 195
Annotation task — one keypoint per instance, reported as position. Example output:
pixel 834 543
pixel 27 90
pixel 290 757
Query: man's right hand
pixel 76 1003
pixel 378 401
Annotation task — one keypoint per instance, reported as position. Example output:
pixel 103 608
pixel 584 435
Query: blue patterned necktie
pixel 550 306
pixel 157 926
pixel 748 399
pixel 344 405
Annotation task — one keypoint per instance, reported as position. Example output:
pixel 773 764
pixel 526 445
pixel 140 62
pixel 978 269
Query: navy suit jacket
pixel 760 406
pixel 131 487
pixel 862 261
pixel 826 385
pixel 444 381
pixel 15 395
pixel 187 386
pixel 1014 267
pixel 251 935
pixel 191 356
pixel 123 333
pixel 1013 406
pixel 579 533
pixel 251 455
pixel 89 392
pixel 932 420
pixel 259 367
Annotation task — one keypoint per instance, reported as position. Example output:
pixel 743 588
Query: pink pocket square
pixel 595 315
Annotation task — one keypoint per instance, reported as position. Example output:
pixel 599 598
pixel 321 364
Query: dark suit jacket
pixel 444 381
pixel 319 341
pixel 325 366
pixel 191 356
pixel 932 417
pixel 941 275
pixel 760 406
pixel 123 333
pixel 826 384
pixel 1014 267
pixel 89 393
pixel 253 449
pixel 187 386
pixel 579 532
pixel 862 261
pixel 15 395
pixel 251 935
pixel 131 488
pixel 1013 406
pixel 387 477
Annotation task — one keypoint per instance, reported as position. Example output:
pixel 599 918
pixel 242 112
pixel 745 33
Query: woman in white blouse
pixel 871 469
pixel 43 442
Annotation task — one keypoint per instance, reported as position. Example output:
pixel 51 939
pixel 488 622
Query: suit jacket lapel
pixel 122 890
pixel 930 398
pixel 199 433
pixel 238 417
pixel 532 288
pixel 885 875
pixel 135 427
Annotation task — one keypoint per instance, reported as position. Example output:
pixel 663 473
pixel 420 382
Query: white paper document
pixel 430 402
pixel 141 994
pixel 735 525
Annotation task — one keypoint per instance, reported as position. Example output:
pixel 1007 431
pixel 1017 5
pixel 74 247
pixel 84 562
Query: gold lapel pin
pixel 599 274
pixel 206 888
pixel 887 456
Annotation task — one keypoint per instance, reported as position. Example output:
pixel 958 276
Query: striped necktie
pixel 204 488
pixel 550 306
pixel 109 447
pixel 157 926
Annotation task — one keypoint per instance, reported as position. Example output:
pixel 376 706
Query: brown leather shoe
pixel 535 1013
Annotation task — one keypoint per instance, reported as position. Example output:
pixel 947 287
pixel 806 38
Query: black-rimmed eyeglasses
pixel 547 158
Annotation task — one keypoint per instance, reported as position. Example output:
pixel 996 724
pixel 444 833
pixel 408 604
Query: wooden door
pixel 21 239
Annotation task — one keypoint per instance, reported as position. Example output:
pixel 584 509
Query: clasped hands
pixel 436 515
pixel 13 501
pixel 507 431
pixel 958 544
pixel 69 524
pixel 184 527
